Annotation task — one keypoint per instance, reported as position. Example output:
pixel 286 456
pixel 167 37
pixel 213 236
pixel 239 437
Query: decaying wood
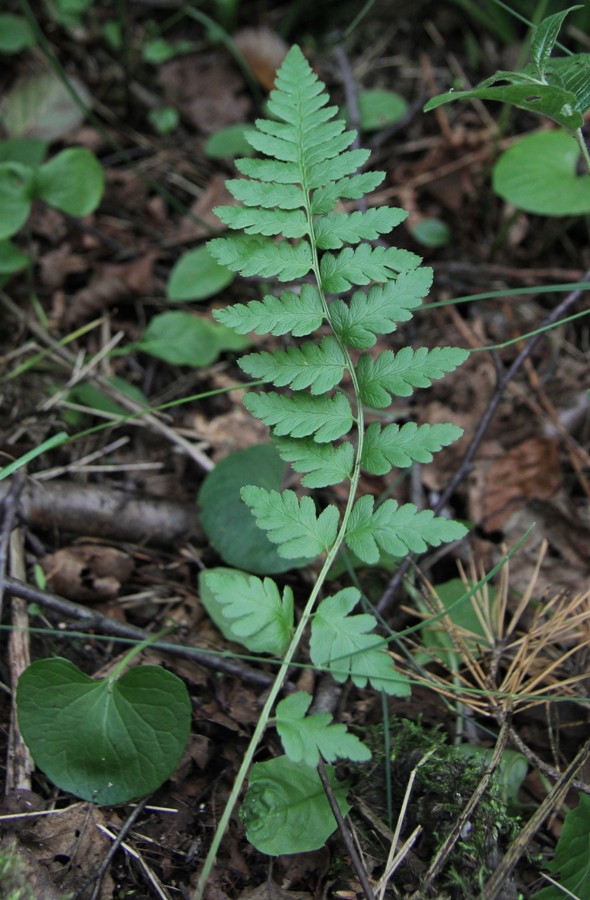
pixel 104 512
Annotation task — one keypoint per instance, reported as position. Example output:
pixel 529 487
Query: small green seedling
pixel 343 293
pixel 107 741
pixel 539 173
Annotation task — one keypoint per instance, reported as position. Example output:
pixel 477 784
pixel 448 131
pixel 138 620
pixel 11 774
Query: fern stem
pixel 309 607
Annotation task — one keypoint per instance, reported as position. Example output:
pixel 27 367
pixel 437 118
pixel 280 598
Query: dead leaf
pixel 56 265
pixel 215 194
pixel 109 285
pixel 87 572
pixel 506 479
pixel 264 50
pixel 207 96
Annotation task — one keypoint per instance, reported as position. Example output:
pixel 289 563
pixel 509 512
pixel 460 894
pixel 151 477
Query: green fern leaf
pixel 270 170
pixel 398 374
pixel 325 198
pixel 400 447
pixel 306 738
pixel 326 464
pixel 378 311
pixel 291 523
pixel 322 173
pixel 265 195
pixel 333 231
pixel 261 256
pixel 256 615
pixel 360 265
pixel 299 416
pixel 290 223
pixel 396 529
pixel 316 366
pixel 343 644
pixel 297 314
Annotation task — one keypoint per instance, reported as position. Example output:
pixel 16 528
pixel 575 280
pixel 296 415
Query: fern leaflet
pixel 399 373
pixel 332 231
pixel 402 446
pixel 316 366
pixel 291 523
pixel 325 464
pixel 343 644
pixel 305 738
pixel 396 529
pixel 298 314
pixel 363 264
pixel 328 418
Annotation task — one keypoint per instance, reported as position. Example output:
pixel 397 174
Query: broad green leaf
pixel 544 38
pixel 363 264
pixel 90 395
pixel 328 418
pixel 379 108
pixel 431 232
pixel 296 314
pixel 359 321
pixel 16 186
pixel 229 142
pixel 26 151
pixel 104 741
pixel 15 34
pixel 396 529
pixel 319 367
pixel 227 521
pixel 197 276
pixel 571 864
pixel 183 339
pixel 399 373
pixel 400 446
pixel 292 523
pixel 326 464
pixel 248 610
pixel 538 174
pixel 572 73
pixel 343 644
pixel 261 256
pixel 11 259
pixel 73 181
pixel 334 230
pixel 286 809
pixel 307 738
pixel 524 92
pixel 41 106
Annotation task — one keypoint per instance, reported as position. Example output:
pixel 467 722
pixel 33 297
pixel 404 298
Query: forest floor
pixel 110 520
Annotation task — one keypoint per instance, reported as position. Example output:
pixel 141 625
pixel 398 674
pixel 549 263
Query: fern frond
pixel 297 314
pixel 325 464
pixel 291 523
pixel 316 366
pixel 270 170
pixel 328 418
pixel 265 195
pixel 333 231
pixel 261 256
pixel 399 373
pixel 290 223
pixel 358 322
pixel 363 264
pixel 396 529
pixel 342 643
pixel 400 447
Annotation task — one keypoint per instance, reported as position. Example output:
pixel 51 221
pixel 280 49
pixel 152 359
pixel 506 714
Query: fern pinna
pixel 318 426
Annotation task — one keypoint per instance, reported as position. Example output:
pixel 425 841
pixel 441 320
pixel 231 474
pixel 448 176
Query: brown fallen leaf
pixel 264 50
pixel 87 572
pixel 207 96
pixel 109 285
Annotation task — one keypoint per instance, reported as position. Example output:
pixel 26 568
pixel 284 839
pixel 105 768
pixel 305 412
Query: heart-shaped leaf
pixel 73 181
pixel 538 174
pixel 197 276
pixel 286 809
pixel 107 741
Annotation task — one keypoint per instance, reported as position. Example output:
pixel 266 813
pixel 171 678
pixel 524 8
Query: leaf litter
pixel 113 267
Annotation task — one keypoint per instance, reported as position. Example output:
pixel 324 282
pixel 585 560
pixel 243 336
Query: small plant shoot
pixel 341 294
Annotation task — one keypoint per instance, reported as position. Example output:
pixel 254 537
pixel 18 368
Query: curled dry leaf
pixel 264 50
pixel 87 572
